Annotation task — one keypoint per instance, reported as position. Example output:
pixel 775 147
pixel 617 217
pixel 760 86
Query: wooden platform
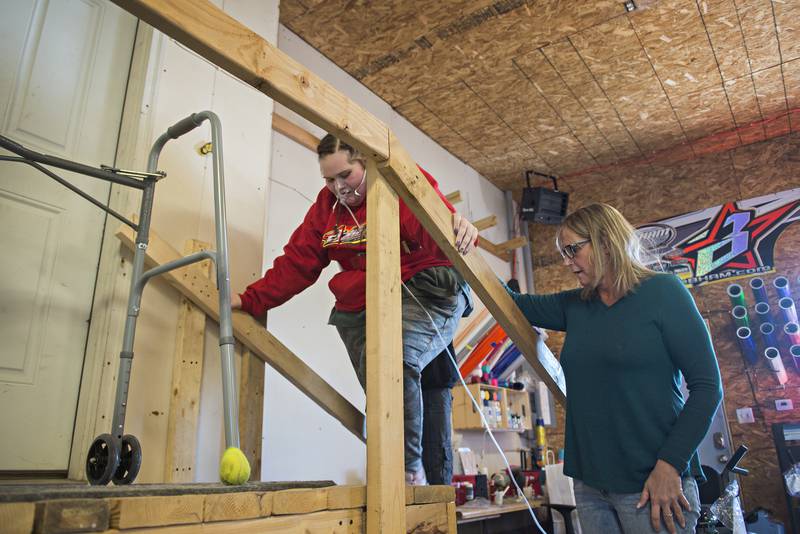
pixel 292 507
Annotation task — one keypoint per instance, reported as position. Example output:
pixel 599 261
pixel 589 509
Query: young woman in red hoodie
pixel 334 229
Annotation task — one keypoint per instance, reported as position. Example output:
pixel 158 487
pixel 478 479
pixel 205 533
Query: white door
pixel 63 70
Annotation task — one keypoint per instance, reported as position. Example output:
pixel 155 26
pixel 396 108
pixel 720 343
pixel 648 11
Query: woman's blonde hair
pixel 616 248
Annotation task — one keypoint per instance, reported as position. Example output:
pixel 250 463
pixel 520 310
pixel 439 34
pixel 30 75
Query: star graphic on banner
pixel 735 229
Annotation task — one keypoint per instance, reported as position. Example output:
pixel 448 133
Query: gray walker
pixel 117 456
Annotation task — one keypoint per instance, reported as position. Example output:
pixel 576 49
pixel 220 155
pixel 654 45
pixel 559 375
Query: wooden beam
pixel 385 457
pixel 187 373
pixel 402 174
pixel 294 132
pixel 71 515
pixel 251 334
pixel 231 506
pixel 474 322
pixel 493 249
pixel 299 501
pixel 454 197
pixel 430 494
pixel 511 244
pixel 156 511
pixel 338 521
pixel 17 517
pixel 224 41
pixel 340 497
pixel 427 518
pixel 486 222
pixel 251 410
pixel 452 525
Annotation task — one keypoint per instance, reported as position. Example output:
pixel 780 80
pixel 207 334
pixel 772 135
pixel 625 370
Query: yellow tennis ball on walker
pixel 234 468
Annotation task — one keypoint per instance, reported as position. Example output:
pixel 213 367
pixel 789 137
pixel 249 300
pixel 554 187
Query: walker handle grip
pixel 184 126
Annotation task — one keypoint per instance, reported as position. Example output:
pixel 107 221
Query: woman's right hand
pixel 236 301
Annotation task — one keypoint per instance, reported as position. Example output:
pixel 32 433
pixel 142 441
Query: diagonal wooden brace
pixel 203 293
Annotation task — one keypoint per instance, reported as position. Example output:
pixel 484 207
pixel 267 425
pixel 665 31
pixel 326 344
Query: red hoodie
pixel 329 233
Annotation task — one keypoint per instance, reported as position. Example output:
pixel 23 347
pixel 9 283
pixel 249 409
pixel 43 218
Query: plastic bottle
pixel 487 410
pixel 498 413
pixel 541 440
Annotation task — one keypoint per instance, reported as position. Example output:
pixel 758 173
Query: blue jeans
pixel 421 344
pixel 601 512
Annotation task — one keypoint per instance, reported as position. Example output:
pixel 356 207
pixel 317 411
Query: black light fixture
pixel 630 5
pixel 542 205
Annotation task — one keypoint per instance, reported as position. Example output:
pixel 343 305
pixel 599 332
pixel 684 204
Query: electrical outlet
pixel 783 405
pixel 745 415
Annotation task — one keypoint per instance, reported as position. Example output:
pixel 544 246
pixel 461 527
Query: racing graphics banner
pixel 724 242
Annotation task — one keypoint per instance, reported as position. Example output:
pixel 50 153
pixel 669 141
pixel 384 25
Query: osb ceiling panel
pixel 568 87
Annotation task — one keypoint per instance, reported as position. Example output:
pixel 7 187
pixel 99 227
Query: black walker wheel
pixel 102 460
pixel 130 460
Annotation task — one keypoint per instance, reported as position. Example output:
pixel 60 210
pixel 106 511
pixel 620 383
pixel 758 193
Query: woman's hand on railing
pixel 466 234
pixel 236 301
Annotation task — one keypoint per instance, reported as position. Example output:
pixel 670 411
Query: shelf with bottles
pixel 505 409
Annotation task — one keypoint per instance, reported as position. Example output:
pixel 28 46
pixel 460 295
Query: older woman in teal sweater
pixel 631 440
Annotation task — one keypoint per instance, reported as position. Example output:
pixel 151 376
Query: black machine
pixel 542 205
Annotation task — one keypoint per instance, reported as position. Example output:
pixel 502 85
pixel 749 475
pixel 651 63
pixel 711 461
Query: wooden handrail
pixel 252 334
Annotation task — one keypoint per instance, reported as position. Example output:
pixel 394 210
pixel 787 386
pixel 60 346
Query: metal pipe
pixel 781 284
pixel 226 339
pixel 773 356
pixel 67 165
pixel 792 331
pixel 762 312
pixel 768 334
pixel 759 290
pixel 72 188
pixel 786 304
pixel 736 294
pixel 747 344
pixel 739 314
pixel 794 350
pixel 175 264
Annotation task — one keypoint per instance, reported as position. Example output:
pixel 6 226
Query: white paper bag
pixel 560 489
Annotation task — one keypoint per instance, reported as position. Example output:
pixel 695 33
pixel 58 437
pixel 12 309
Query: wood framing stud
pixel 454 197
pixel 493 249
pixel 385 458
pixel 17 517
pixel 187 373
pixel 251 410
pixel 511 244
pixel 294 132
pixel 486 222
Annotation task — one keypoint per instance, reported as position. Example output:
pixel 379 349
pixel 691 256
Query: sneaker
pixel 416 478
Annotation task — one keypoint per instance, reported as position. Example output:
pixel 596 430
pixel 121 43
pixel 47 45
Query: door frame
pixel 104 341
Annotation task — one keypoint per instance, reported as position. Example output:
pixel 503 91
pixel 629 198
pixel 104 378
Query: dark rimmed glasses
pixel 569 251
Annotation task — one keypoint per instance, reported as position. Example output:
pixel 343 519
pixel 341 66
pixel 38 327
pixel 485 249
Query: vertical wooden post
pixel 187 373
pixel 251 410
pixel 385 458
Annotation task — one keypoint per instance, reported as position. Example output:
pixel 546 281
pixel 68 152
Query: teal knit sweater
pixel 622 366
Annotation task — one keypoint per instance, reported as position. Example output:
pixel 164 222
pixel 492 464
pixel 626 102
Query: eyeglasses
pixel 569 251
